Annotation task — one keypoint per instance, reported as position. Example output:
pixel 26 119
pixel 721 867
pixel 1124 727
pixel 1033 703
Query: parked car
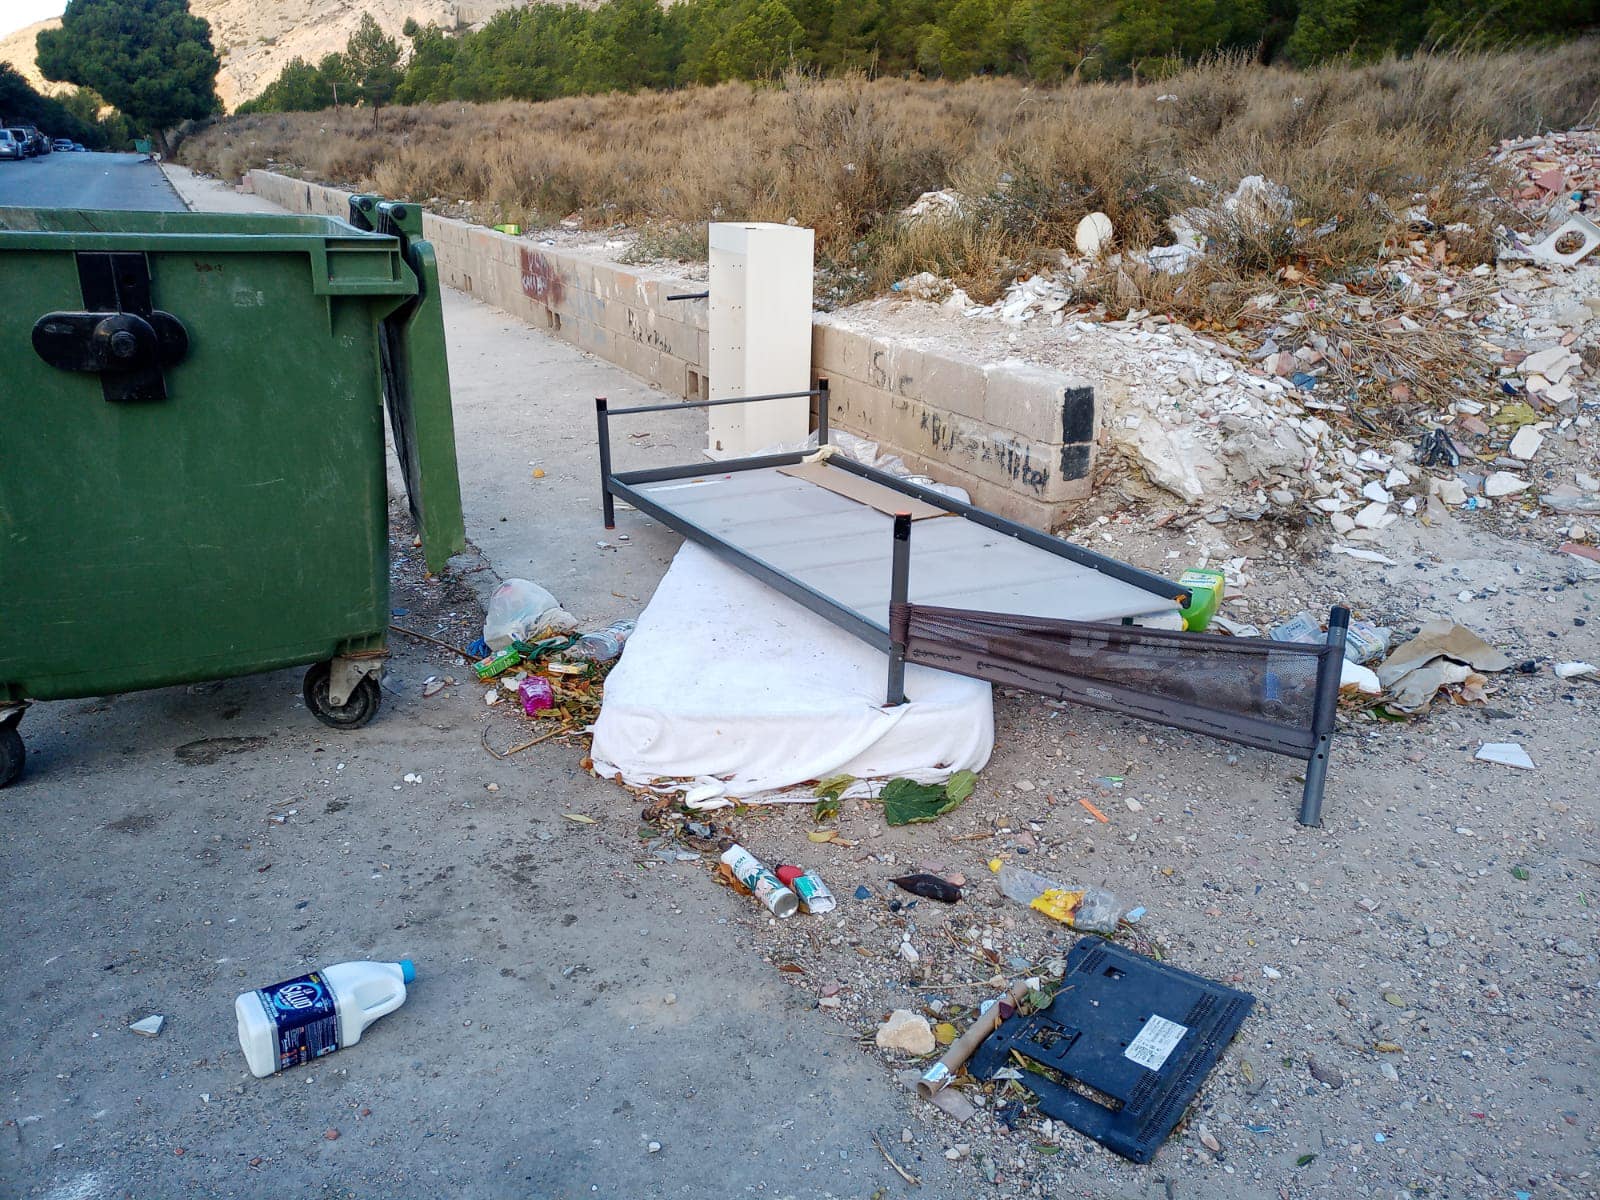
pixel 32 138
pixel 61 144
pixel 79 148
pixel 12 146
pixel 23 140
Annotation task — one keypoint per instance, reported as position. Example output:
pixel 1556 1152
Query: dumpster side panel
pixel 237 526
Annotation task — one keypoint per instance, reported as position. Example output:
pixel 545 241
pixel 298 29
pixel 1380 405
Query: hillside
pixel 256 38
pixel 16 48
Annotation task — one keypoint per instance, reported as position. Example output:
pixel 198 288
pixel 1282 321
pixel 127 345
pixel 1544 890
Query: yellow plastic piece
pixel 1060 905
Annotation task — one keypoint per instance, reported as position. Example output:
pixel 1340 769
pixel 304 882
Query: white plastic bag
pixel 522 611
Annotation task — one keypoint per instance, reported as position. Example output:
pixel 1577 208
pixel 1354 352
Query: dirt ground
pixel 1448 906
pixel 586 993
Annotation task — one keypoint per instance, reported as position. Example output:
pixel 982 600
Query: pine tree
pixel 151 59
pixel 373 58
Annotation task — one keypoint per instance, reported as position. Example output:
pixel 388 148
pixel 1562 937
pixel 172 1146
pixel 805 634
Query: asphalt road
pixel 125 181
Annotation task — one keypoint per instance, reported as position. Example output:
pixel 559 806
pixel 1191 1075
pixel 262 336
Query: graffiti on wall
pixel 541 281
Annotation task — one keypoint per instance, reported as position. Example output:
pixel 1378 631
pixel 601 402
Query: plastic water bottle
pixel 303 1018
pixel 1092 909
pixel 1025 886
pixel 601 646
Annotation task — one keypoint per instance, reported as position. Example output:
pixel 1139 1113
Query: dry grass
pixel 1354 147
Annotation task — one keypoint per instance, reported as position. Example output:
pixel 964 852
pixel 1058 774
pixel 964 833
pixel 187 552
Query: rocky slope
pixel 255 38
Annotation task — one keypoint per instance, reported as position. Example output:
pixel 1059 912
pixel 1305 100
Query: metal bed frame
pixel 913 631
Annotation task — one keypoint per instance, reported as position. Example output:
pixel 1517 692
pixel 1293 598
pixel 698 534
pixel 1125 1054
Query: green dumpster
pixel 192 452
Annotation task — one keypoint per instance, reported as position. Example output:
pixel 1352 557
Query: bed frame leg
pixel 899 584
pixel 607 503
pixel 1323 717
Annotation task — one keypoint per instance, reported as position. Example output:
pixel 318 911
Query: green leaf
pixel 828 793
pixel 1304 1159
pixel 960 785
pixel 833 786
pixel 907 803
pixel 1519 872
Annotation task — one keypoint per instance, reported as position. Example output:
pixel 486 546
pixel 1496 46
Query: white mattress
pixel 732 685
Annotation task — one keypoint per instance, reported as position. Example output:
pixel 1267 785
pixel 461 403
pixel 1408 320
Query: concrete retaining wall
pixel 1018 437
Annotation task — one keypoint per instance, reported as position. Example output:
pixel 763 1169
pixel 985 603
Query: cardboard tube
pixel 938 1076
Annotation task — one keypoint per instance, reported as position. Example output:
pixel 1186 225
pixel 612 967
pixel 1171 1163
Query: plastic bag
pixel 520 610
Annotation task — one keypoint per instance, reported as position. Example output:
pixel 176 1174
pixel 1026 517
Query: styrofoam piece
pixel 759 333
pixel 727 679
pixel 1507 754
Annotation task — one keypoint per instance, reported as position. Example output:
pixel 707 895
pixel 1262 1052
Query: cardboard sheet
pixel 863 491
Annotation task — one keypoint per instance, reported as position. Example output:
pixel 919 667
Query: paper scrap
pixel 1507 754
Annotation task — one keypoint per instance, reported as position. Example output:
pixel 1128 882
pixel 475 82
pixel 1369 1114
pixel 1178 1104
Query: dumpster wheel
pixel 362 706
pixel 13 754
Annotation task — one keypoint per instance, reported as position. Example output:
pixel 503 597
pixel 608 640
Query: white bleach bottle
pixel 311 1015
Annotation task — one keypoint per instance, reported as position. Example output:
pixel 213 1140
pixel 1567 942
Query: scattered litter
pixel 149 1026
pixel 1574 670
pixel 1362 555
pixel 763 884
pixel 522 611
pixel 602 646
pixel 1442 653
pixel 1095 812
pixel 929 887
pixel 536 694
pixel 814 895
pixel 1507 754
pixel 1092 909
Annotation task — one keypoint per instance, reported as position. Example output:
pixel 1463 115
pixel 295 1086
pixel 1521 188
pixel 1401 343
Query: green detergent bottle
pixel 1205 587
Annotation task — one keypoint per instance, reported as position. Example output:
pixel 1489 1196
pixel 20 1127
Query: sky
pixel 14 14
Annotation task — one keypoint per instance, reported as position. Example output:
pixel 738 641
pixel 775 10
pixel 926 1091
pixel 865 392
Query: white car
pixel 11 146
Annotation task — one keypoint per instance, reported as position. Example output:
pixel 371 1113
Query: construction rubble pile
pixel 1428 384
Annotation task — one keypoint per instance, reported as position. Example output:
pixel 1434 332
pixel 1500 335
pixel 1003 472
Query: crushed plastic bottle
pixel 602 646
pixel 1092 909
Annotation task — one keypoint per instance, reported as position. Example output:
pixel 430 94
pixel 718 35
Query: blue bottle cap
pixel 408 970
